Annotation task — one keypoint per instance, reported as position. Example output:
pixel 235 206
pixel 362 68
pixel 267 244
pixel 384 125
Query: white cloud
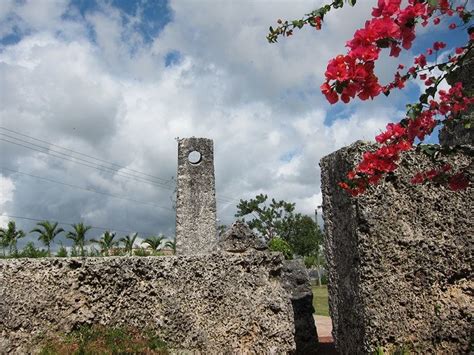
pixel 111 96
pixel 7 187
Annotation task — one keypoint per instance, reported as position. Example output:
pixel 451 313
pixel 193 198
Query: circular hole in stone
pixel 194 157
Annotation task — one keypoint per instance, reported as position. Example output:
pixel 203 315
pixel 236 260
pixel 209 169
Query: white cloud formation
pixel 94 85
pixel 7 188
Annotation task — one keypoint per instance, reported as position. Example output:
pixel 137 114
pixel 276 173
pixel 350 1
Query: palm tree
pixel 129 241
pixel 106 242
pixel 154 242
pixel 171 244
pixel 4 242
pixel 78 235
pixel 9 237
pixel 47 233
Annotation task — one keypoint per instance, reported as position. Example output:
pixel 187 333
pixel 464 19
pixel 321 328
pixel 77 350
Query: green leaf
pixel 433 3
pixel 352 2
pixel 428 149
pixel 466 17
pixel 339 87
pixel 431 91
pixel 424 98
pixel 383 43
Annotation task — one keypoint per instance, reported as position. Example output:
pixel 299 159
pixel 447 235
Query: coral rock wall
pixel 217 303
pixel 400 259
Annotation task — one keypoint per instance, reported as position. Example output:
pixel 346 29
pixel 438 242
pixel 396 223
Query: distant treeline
pixel 107 245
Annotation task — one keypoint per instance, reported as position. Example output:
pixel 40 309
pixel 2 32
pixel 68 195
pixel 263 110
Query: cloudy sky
pixel 93 94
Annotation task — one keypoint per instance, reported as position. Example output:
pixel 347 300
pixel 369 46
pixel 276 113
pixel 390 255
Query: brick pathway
pixel 326 343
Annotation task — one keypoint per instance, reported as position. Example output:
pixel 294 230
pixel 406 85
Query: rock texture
pixel 218 303
pixel 239 238
pixel 296 282
pixel 196 230
pixel 400 260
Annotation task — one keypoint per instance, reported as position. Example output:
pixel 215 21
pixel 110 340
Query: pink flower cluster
pixel 457 181
pixel 400 137
pixel 351 75
pixel 391 27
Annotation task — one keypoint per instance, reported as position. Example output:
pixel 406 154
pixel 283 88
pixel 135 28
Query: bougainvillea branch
pixel 353 75
pixel 313 19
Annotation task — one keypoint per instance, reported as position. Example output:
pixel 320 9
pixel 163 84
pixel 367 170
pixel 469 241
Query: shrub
pixel 62 252
pixel 141 252
pixel 30 251
pixel 93 252
pixel 280 245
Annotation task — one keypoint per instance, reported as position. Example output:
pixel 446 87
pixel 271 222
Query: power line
pixel 48 150
pixel 86 189
pixel 90 166
pixel 85 155
pixel 223 198
pixel 95 165
pixel 70 224
pixel 117 172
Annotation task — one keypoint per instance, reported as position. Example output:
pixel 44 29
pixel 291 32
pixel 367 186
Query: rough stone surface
pixel 217 303
pixel 296 282
pixel 196 230
pixel 400 259
pixel 239 238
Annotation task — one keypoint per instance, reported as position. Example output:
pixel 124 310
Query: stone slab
pixel 196 229
pixel 400 259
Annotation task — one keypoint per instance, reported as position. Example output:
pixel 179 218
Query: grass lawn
pixel 320 300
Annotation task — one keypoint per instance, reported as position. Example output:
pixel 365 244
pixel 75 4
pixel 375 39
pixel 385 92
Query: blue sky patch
pixel 154 14
pixel 288 156
pixel 173 58
pixel 11 38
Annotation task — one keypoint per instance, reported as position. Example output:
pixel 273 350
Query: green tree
pixel 172 245
pixel 278 220
pixel 303 234
pixel 154 242
pixel 106 243
pixel 9 237
pixel 4 242
pixel 129 242
pixel 47 232
pixel 78 236
pixel 270 221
